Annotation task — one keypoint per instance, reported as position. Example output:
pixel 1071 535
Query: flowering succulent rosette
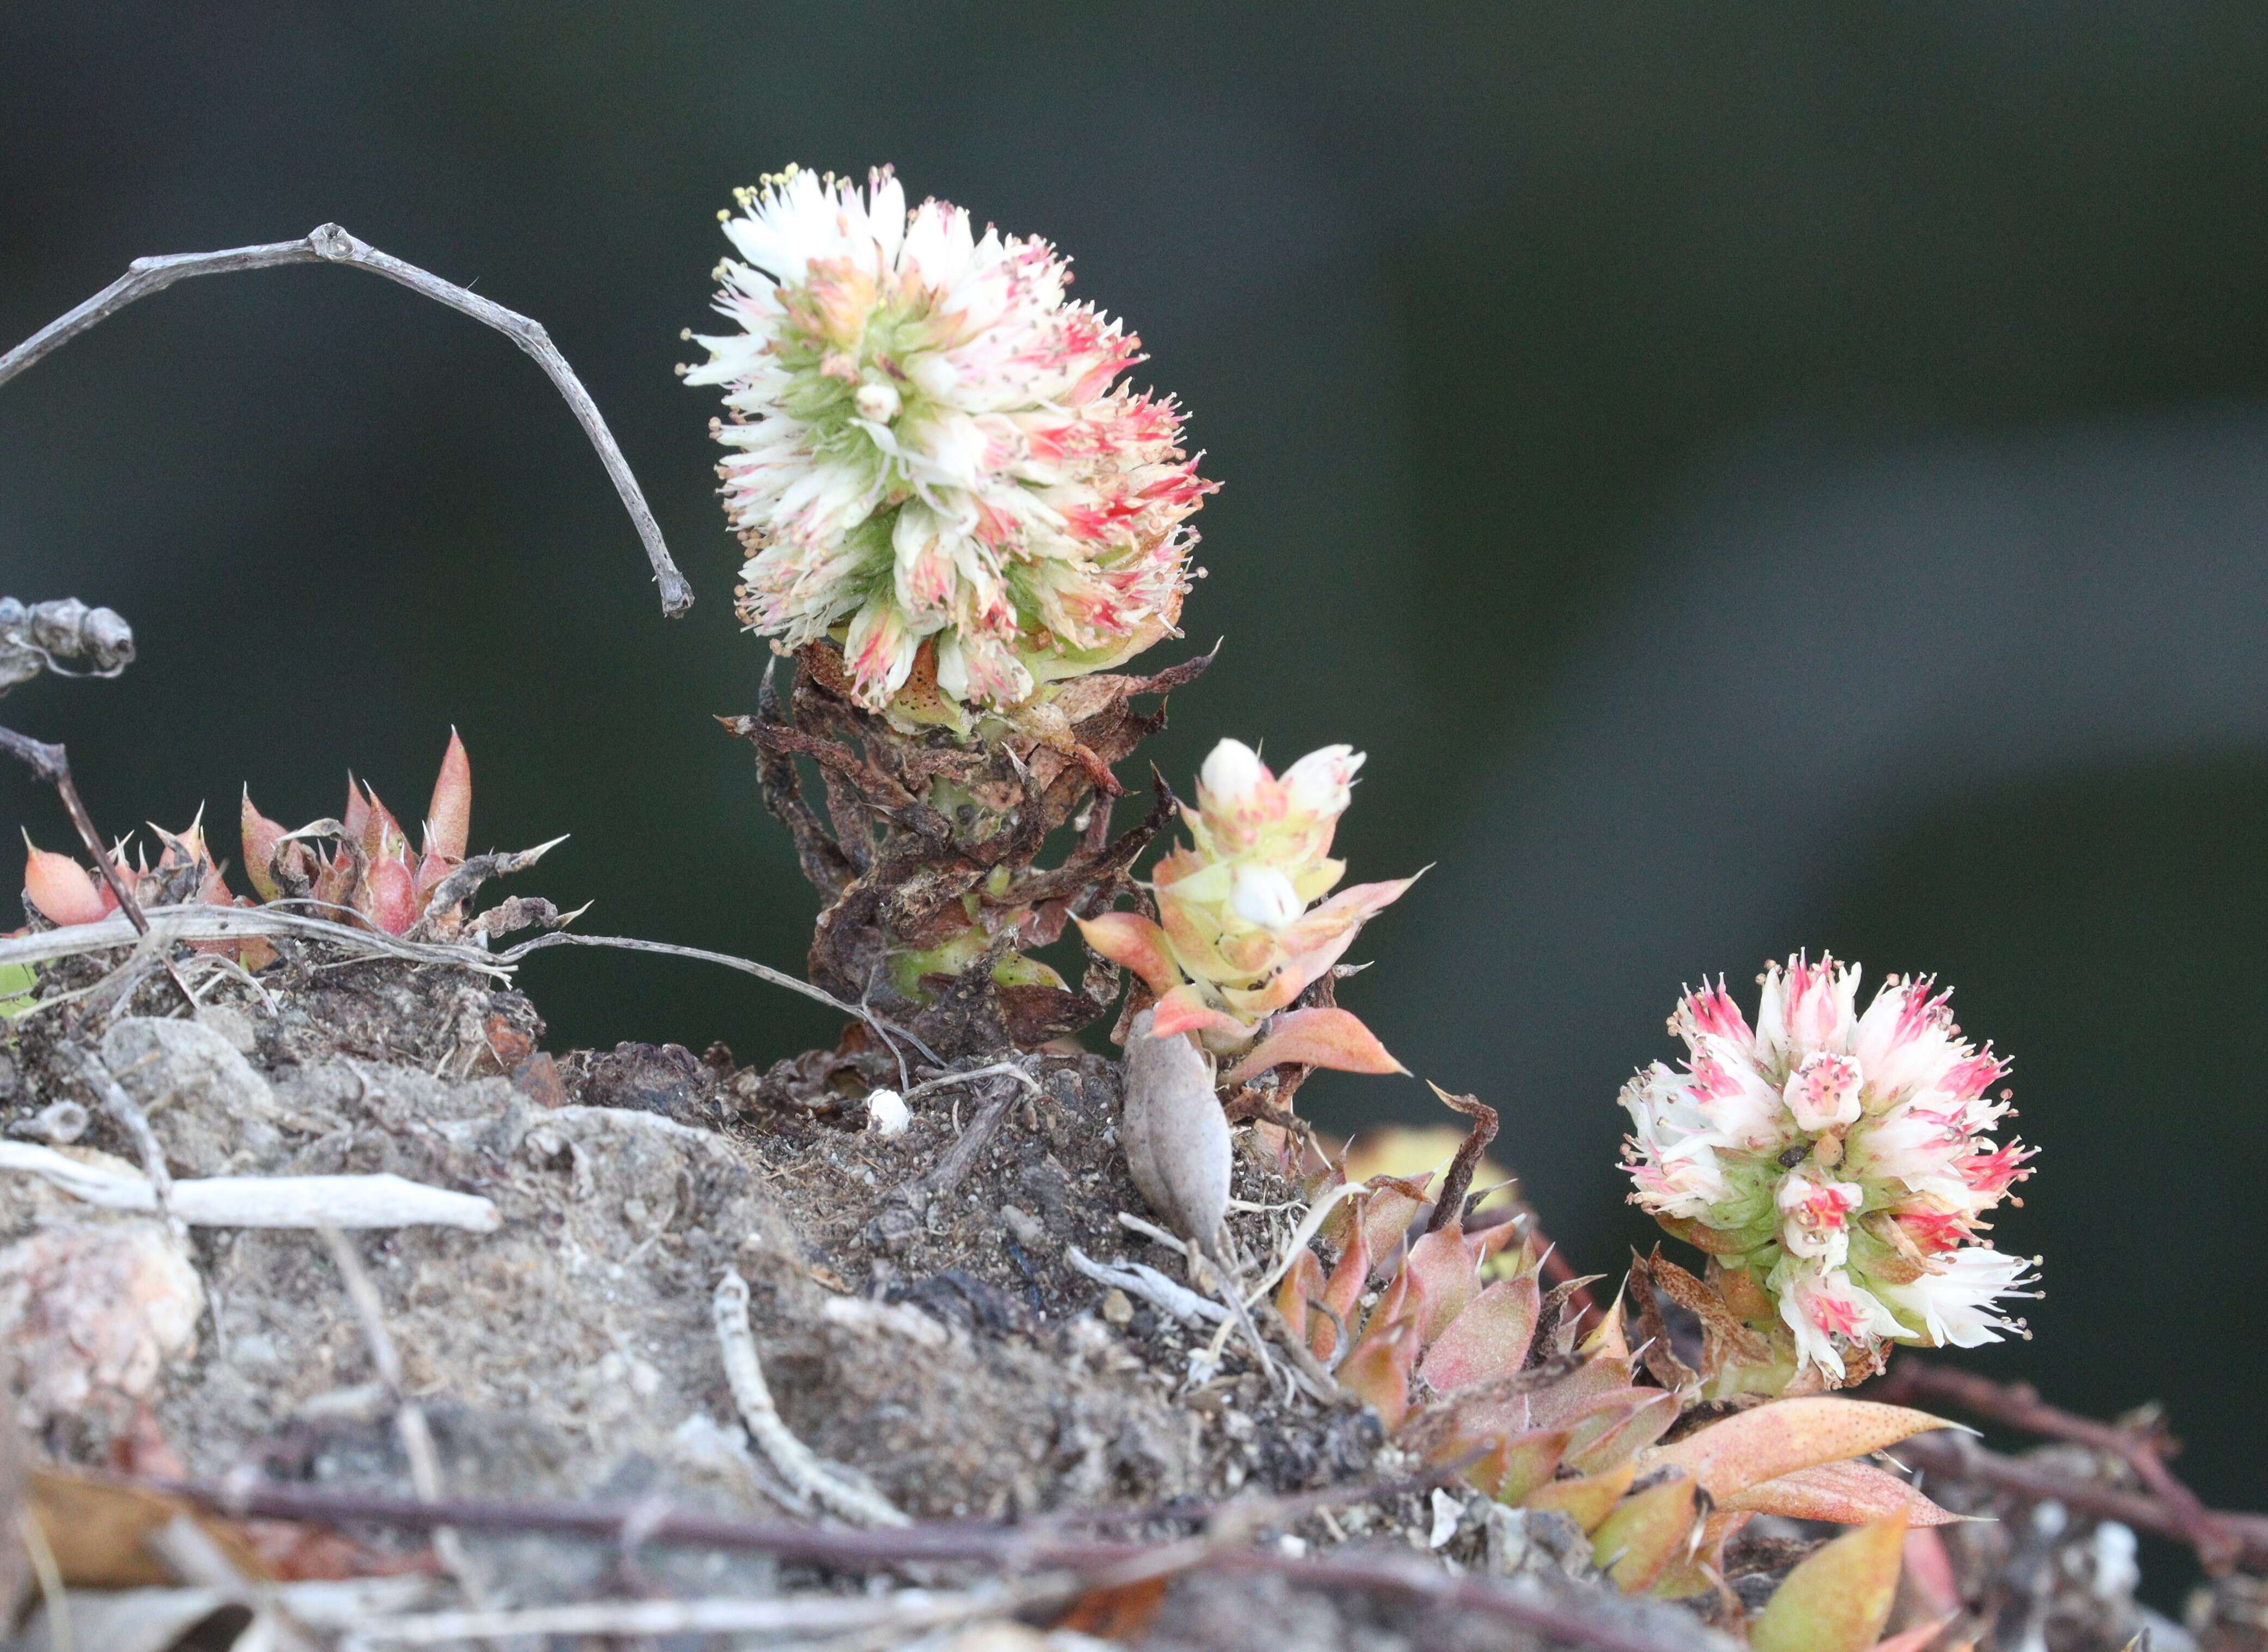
pixel 1839 1167
pixel 1244 926
pixel 933 461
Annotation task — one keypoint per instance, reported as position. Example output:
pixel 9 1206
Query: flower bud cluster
pixel 1244 926
pixel 1843 1161
pixel 931 461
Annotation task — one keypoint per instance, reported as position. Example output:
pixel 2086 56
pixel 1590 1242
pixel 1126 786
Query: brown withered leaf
pixel 98 1529
pixel 1725 1340
pixel 1115 1612
pixel 1451 1201
pixel 1660 1358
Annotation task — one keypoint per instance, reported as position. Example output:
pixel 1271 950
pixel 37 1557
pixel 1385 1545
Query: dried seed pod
pixel 1176 1136
pixel 36 636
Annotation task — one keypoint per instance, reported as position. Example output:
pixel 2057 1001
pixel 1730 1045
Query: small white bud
pixel 1232 774
pixel 1319 783
pixel 1264 896
pixel 888 1114
pixel 877 403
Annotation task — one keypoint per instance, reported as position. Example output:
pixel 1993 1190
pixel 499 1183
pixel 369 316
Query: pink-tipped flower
pixel 932 460
pixel 1843 1160
pixel 1244 925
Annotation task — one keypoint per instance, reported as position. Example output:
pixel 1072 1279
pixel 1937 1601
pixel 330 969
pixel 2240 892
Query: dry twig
pixel 261 1201
pixel 410 1425
pixel 799 1464
pixel 1954 1455
pixel 1912 1381
pixel 1003 1549
pixel 329 244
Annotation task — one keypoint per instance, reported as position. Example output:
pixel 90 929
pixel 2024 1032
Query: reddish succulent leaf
pixel 1645 1533
pixel 1587 1499
pixel 1391 1206
pixel 1378 1371
pixel 1132 940
pixel 1490 1338
pixel 393 896
pixel 1406 1298
pixel 64 891
pixel 1772 1441
pixel 1302 1281
pixel 1849 1493
pixel 1183 1010
pixel 1319 1037
pixel 1619 1429
pixel 1450 1271
pixel 1522 1464
pixel 1343 1292
pixel 1929 1577
pixel 1837 1598
pixel 356 818
pixel 1595 1379
pixel 449 816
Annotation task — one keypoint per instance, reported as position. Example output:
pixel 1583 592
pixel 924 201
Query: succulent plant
pixel 1247 922
pixel 371 877
pixel 1469 1362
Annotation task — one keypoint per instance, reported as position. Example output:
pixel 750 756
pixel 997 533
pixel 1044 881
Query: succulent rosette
pixel 1246 921
pixel 1837 1166
pixel 933 463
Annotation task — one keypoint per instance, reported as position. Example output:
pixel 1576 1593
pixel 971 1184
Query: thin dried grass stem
pixel 329 244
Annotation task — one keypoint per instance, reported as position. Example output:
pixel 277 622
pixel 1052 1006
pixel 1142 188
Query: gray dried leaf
pixel 1176 1136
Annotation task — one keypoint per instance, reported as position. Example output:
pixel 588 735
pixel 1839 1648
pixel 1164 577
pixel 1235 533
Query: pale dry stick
pixel 906 1610
pixel 408 1416
pixel 329 244
pixel 54 1596
pixel 797 1463
pixel 1138 1278
pixel 200 922
pixel 261 1201
pixel 883 1029
pixel 999 1069
pixel 128 1118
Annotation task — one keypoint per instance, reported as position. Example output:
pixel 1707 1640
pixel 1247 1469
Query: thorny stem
pixel 1913 1381
pixel 1006 1548
pixel 329 244
pixel 52 764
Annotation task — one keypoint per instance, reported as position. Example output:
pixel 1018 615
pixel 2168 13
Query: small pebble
pixel 888 1114
pixel 1116 1307
pixel 1030 1230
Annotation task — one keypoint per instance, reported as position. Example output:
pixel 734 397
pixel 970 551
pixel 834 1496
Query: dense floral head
pixel 1843 1161
pixel 1244 926
pixel 931 459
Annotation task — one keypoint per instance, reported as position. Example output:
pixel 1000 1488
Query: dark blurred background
pixel 1793 476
